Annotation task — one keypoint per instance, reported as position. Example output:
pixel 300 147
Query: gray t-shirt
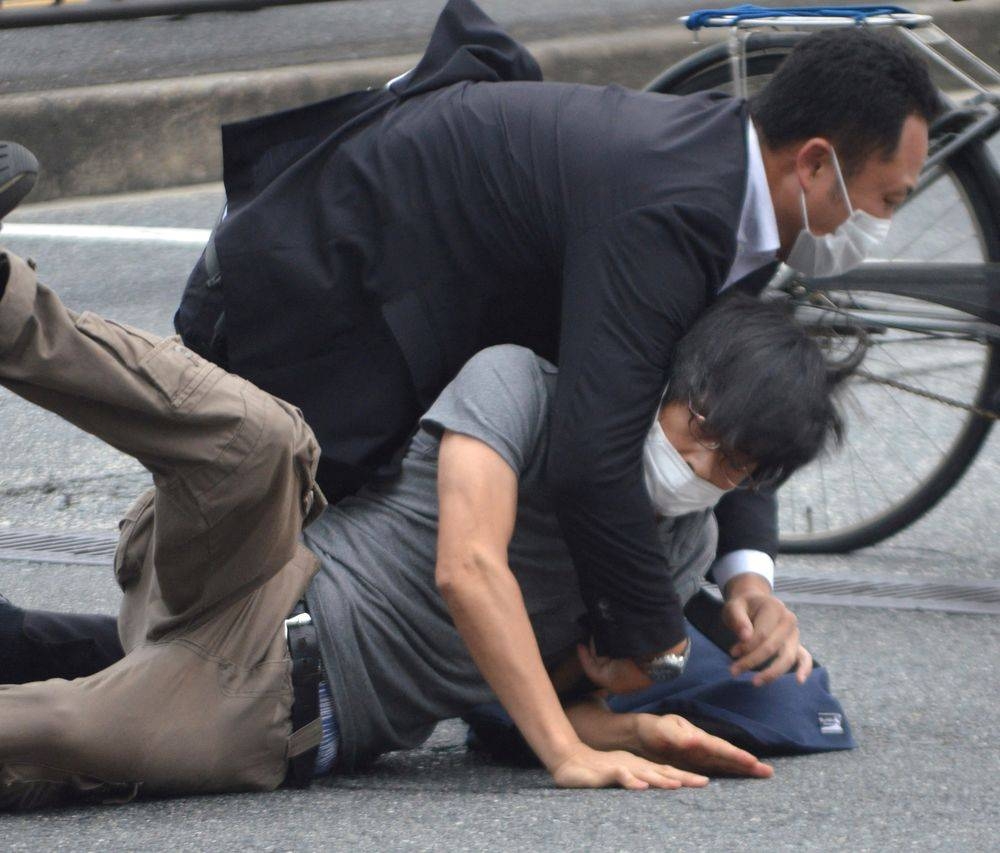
pixel 395 663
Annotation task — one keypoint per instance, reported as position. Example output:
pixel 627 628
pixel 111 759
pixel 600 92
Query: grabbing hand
pixel 591 768
pixel 683 744
pixel 765 629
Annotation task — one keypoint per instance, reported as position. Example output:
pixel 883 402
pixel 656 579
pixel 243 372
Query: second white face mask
pixel 673 487
pixel 857 238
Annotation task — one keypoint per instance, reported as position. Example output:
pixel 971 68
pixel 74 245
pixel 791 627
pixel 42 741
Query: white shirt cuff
pixel 740 562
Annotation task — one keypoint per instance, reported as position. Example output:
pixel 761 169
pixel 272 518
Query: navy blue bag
pixel 781 718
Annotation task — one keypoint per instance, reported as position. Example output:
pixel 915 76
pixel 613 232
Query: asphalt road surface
pixel 920 688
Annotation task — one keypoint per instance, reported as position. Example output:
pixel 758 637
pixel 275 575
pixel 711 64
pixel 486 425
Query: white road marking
pixel 110 233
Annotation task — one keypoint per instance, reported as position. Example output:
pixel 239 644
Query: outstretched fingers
pixel 678 741
pixel 713 754
pixel 594 769
pixel 630 781
pixel 665 776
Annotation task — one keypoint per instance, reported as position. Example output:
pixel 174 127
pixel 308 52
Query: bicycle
pixel 927 393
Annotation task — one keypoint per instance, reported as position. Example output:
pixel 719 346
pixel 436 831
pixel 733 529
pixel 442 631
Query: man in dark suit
pixel 374 242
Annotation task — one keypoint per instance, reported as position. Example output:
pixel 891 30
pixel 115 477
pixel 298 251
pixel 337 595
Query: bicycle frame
pixel 971 288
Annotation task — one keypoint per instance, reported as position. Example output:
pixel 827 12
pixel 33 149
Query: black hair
pixel 853 86
pixel 762 383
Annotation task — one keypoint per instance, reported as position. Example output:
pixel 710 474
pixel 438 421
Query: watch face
pixel 663 672
pixel 668 667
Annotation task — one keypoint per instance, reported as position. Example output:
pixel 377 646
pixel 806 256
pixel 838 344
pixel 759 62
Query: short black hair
pixel 854 86
pixel 761 381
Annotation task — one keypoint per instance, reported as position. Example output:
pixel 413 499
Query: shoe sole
pixel 24 795
pixel 18 171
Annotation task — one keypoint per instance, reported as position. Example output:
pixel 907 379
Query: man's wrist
pixel 621 731
pixel 645 730
pixel 748 583
pixel 559 749
pixel 634 639
pixel 632 732
pixel 728 566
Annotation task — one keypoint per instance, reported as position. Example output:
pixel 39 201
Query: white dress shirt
pixel 756 245
pixel 757 239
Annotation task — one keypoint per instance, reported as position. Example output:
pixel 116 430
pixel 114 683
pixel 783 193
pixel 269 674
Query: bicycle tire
pixel 974 173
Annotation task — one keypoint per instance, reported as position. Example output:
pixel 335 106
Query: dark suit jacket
pixel 400 231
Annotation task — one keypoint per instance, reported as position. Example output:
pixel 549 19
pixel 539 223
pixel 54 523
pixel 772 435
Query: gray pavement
pixel 920 688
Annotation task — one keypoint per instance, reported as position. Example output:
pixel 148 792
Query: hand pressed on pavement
pixel 664 740
pixel 766 629
pixel 591 768
pixel 673 739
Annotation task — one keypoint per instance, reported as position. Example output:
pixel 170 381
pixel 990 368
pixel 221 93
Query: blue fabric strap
pixel 704 17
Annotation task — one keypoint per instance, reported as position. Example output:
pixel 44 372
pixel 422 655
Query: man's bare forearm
pixel 488 610
pixel 601 728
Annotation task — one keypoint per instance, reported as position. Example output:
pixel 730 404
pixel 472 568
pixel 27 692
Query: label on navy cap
pixel 830 723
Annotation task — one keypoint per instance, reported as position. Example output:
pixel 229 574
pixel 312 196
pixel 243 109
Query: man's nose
pixel 702 461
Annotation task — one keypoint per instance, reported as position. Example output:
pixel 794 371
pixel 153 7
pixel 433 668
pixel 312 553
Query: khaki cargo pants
pixel 209 560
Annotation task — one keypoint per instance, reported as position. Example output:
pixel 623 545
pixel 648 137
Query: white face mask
pixel 832 254
pixel 673 487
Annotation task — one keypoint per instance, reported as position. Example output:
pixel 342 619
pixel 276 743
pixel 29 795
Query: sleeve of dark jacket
pixel 748 520
pixel 632 286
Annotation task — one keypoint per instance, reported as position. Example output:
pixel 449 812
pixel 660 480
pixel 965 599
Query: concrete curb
pixel 160 133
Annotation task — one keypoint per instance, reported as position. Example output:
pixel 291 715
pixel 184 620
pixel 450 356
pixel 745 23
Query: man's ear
pixel 811 160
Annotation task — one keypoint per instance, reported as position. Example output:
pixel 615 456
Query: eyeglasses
pixel 739 475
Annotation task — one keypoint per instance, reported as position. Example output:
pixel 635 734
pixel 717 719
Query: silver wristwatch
pixel 667 667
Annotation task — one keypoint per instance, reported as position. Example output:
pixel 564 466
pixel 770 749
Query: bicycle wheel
pixel 904 449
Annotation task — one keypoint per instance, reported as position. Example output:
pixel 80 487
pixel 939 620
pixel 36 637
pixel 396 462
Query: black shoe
pixel 62 788
pixel 18 170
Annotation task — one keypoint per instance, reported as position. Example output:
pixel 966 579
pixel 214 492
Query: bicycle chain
pixel 929 395
pixel 902 386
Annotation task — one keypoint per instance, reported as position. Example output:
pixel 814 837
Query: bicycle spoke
pixel 901 250
pixel 826 500
pixel 912 420
pixel 857 493
pixel 876 480
pixel 912 377
pixel 891 445
pixel 850 459
pixel 902 374
pixel 951 249
pixel 795 510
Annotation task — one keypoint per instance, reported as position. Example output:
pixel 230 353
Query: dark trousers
pixel 36 645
